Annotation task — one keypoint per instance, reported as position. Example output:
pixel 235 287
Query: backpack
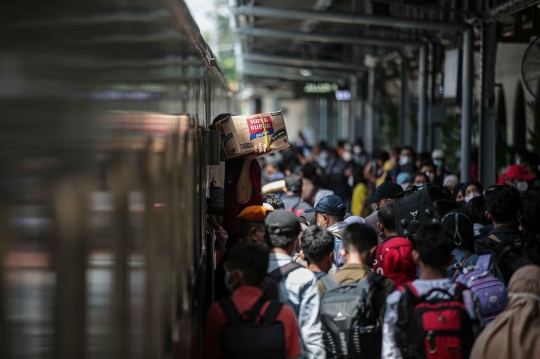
pixel 490 291
pixel 269 285
pixel 509 258
pixel 245 338
pixel 350 317
pixel 436 328
pixel 415 207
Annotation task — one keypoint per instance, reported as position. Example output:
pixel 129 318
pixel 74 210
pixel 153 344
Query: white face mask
pixel 357 150
pixel 405 186
pixel 350 181
pixel 471 196
pixel 347 157
pixel 522 186
pixel 403 160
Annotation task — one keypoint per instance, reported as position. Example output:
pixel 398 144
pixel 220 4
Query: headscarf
pixel 474 183
pixel 450 181
pixel 354 219
pixel 403 177
pixel 515 332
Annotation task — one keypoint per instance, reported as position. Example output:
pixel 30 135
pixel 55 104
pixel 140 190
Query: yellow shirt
pixel 360 193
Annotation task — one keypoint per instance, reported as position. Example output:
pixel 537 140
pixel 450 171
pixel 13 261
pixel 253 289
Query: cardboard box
pixel 240 134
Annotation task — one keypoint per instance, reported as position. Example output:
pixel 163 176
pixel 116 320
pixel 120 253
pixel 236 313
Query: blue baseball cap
pixel 331 205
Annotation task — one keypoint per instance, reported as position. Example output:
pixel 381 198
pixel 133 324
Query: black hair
pixel 274 201
pixel 317 242
pixel 531 211
pixel 421 174
pixel 386 216
pixel 434 245
pixel 477 184
pixel 428 163
pixel 411 150
pixel 244 228
pixel 359 237
pixel 476 208
pixel 461 227
pixel 280 240
pixel 424 156
pixel 503 204
pixel 456 190
pixel 251 259
pixel 380 155
pixel 293 183
pixel 221 116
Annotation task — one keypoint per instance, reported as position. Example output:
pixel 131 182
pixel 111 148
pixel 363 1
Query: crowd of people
pixel 314 262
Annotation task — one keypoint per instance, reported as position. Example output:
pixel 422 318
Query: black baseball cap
pixel 384 191
pixel 332 205
pixel 282 222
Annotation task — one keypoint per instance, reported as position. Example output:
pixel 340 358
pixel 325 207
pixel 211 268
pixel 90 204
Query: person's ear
pixel 302 255
pixel 380 226
pixel 488 216
pixel 252 235
pixel 342 252
pixel 415 257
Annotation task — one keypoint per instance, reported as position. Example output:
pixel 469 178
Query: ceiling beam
pixel 327 39
pixel 355 19
pixel 302 62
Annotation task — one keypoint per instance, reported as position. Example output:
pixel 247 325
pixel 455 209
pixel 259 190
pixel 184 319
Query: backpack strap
pixel 255 311
pixel 458 265
pixel 483 262
pixel 329 281
pixel 230 311
pixel 271 312
pixel 284 270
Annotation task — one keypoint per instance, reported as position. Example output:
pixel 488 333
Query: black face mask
pixel 460 204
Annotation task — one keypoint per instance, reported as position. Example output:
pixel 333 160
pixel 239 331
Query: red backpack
pixel 436 328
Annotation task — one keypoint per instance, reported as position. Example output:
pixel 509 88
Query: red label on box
pixel 256 129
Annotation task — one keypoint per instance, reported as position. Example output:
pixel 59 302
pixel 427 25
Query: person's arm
pixel 389 288
pixel 389 346
pixel 309 322
pixel 244 189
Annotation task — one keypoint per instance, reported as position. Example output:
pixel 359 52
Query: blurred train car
pixel 105 170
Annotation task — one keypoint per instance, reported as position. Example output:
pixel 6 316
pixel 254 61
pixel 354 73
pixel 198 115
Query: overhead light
pixel 305 72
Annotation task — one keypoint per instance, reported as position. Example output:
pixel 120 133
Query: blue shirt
pixel 299 291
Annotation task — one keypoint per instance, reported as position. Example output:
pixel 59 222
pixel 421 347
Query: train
pixel 107 158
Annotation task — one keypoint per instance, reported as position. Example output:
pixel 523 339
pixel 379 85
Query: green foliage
pixel 391 123
pixel 226 37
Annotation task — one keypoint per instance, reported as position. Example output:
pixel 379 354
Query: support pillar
pixel 467 82
pixel 370 113
pixel 488 125
pixel 422 98
pixel 352 110
pixel 405 115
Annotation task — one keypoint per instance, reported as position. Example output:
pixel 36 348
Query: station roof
pixel 284 41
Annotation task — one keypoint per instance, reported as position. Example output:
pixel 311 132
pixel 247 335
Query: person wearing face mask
pixel 439 160
pixel 421 179
pixel 245 270
pixel 406 160
pixel 471 190
pixel 330 213
pixel 429 169
pixel 298 288
pixel 404 180
pixel 516 176
pixel 360 158
pixel 504 208
pixel 252 224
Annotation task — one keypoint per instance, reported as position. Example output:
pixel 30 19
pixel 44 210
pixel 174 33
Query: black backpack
pixel 269 285
pixel 509 258
pixel 246 338
pixel 350 317
pixel 417 207
pixel 436 328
